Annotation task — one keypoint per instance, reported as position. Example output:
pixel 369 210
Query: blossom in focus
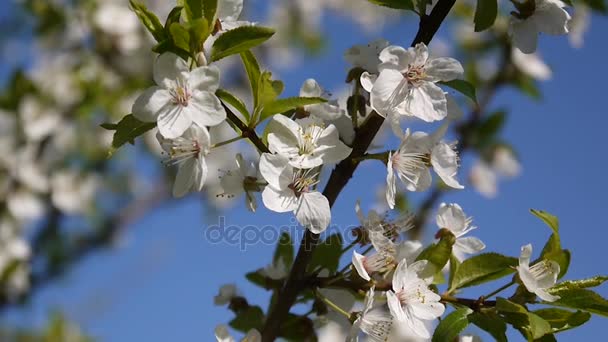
pixel 406 81
pixel 375 323
pixel 188 153
pixel 452 217
pixel 535 17
pixel 305 143
pixel 411 302
pixel 291 189
pixel 538 277
pixel 325 111
pixel 181 97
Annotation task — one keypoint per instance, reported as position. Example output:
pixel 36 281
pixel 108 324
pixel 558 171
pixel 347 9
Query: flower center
pixel 180 94
pixel 309 137
pixel 541 268
pixel 408 164
pixel 303 180
pixel 413 295
pixel 182 149
pixel 415 74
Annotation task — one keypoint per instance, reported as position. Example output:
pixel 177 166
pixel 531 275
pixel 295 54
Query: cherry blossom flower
pixel 325 111
pixel 531 64
pixel 375 323
pixel 188 153
pixel 366 56
pixel 416 154
pixel 290 189
pixel 305 143
pixel 538 277
pixel 535 17
pixel 382 261
pixel 243 179
pixel 181 97
pixel 406 81
pixel 411 302
pixel 226 294
pixel 228 13
pixel 452 217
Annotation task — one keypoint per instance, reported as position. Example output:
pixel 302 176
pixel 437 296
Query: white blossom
pixel 25 206
pixel 228 13
pixel 545 16
pixel 226 294
pixel 382 261
pixel 38 120
pixel 375 323
pixel 72 192
pixel 411 302
pixel 538 277
pixel 116 19
pixel 188 153
pixel 406 81
pixel 366 56
pixel 181 97
pixel 579 24
pixel 290 189
pixel 531 64
pixel 452 217
pixel 484 179
pixel 325 111
pixel 416 154
pixel 222 335
pixel 305 143
pixel 243 179
pixel 277 270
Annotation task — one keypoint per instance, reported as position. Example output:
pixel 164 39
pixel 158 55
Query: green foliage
pixel 438 254
pixel 580 284
pixel 482 268
pixel 239 40
pixel 327 254
pixel 486 132
pixel 491 323
pixel 234 101
pixel 193 9
pixel 597 5
pixel 449 327
pixel 149 19
pixel 561 320
pixel 127 130
pixel 464 87
pixel 527 85
pixel 252 68
pixel 268 91
pixel 249 318
pixel 396 4
pixel 529 324
pixel 485 14
pixel 581 299
pixel 210 11
pixel 553 249
pixel 298 328
pixel 283 105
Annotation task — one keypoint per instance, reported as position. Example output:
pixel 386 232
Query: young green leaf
pixel 580 284
pixel 482 268
pixel 234 101
pixel 250 318
pixel 438 254
pixel 327 254
pixel 149 19
pixel 581 299
pixel 553 249
pixel 550 220
pixel 530 325
pixel 289 103
pixel 449 327
pixel 463 87
pixel 491 323
pixel 252 68
pixel 561 320
pixel 180 36
pixel 209 11
pixel 485 14
pixel 127 130
pixel 238 40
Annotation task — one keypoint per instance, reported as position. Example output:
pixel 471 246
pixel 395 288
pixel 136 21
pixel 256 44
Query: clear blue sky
pixel 160 285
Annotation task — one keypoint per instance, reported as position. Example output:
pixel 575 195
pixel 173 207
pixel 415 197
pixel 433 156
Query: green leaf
pixel 239 40
pixel 454 265
pixel 530 325
pixel 581 299
pixel 247 319
pixel 561 320
pixel 396 4
pixel 268 91
pixel 252 68
pixel 234 101
pixel 127 130
pixel 199 32
pixel 485 14
pixel 289 103
pixel 553 249
pixel 597 5
pixel 550 220
pixel 449 327
pixel 284 250
pixel 327 254
pixel 482 268
pixel 463 87
pixel 173 16
pixel 149 19
pixel 580 284
pixel 180 36
pixel 209 10
pixel 488 129
pixel 440 252
pixel 193 9
pixel 528 86
pixel 492 323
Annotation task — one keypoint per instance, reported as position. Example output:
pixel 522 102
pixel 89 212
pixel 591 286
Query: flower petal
pixel 280 201
pixel 390 90
pixel 445 163
pixel 168 68
pixel 552 18
pixel 391 185
pixel 205 109
pixel 357 261
pixel 427 311
pixel 311 88
pixel 397 56
pixel 276 170
pixel 394 306
pixel 172 122
pixel 469 245
pixel 149 104
pixel 426 102
pixel 205 78
pixel 444 69
pixel 185 177
pixel 229 10
pixel 524 35
pixel 313 211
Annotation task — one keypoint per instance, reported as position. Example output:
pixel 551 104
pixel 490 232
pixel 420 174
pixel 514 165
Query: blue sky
pixel 159 283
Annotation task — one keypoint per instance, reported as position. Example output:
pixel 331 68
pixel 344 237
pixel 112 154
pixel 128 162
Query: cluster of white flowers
pixel 412 305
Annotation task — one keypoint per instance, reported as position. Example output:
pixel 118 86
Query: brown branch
pixel 246 132
pixel 338 179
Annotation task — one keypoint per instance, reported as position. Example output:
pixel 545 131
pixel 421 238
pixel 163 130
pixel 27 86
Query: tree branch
pixel 246 132
pixel 337 181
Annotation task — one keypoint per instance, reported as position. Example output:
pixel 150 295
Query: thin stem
pixel 351 245
pixel 332 305
pixel 237 138
pixel 382 156
pixel 500 289
pixel 246 132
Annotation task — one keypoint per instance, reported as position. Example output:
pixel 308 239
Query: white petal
pixel 546 296
pixel 400 276
pixel 201 175
pixel 444 69
pixel 422 54
pixel 149 104
pixel 426 102
pixel 280 201
pixel 311 88
pixel 445 163
pixel 417 325
pixel 398 56
pixel 391 185
pixel 390 89
pixel 313 211
pixel 357 261
pixel 172 122
pixel 452 217
pixel 222 335
pixel 484 179
pixel 276 170
pixel 524 35
pixel 367 81
pixel 427 311
pixel 524 257
pixel 168 67
pixel 423 180
pixel 394 305
pixel 552 19
pixel 229 10
pixel 205 109
pixel 527 278
pixel 205 78
pixel 332 150
pixel 185 177
pixel 469 245
pixel 548 277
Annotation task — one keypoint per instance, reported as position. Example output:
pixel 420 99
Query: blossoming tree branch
pixel 294 156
